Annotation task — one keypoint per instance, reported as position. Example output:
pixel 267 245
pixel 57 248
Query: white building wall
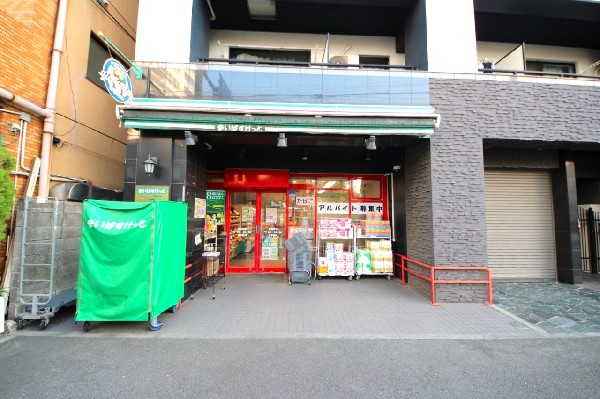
pixel 338 44
pixel 164 31
pixel 451 43
pixel 496 51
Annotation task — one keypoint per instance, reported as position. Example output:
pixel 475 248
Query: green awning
pixel 239 117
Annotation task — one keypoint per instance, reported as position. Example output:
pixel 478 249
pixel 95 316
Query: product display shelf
pixel 214 251
pixel 373 255
pixel 335 253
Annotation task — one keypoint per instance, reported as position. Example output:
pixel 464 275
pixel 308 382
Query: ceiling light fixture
pixel 190 139
pixel 262 9
pixel 305 155
pixel 370 143
pixel 282 141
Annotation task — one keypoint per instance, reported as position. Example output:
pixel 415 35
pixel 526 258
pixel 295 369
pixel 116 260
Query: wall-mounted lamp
pixel 281 141
pixel 305 155
pixel 370 143
pixel 150 164
pixel 190 139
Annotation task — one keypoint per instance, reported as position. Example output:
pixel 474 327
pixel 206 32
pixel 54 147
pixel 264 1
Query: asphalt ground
pixel 91 366
pixel 261 338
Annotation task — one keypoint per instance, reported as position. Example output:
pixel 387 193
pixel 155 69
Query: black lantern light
pixel 150 164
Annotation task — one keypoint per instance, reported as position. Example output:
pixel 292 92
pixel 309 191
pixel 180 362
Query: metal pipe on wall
pixel 212 13
pixel 21 103
pixel 49 121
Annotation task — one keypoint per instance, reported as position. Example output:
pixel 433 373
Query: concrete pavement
pixel 265 306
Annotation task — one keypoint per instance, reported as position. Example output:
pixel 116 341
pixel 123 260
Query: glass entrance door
pixel 272 232
pixel 242 232
pixel 257 226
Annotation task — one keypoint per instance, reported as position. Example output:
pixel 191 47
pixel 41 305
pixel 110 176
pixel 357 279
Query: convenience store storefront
pixel 329 152
pixel 264 207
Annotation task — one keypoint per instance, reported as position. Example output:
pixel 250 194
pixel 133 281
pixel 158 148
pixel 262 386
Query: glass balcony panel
pixel 266 84
pixel 334 87
pixel 357 86
pixel 400 89
pixel 287 84
pixel 311 86
pixel 243 85
pixel 420 90
pixel 378 88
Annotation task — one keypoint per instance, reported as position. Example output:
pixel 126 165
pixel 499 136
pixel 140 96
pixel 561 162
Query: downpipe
pixel 49 121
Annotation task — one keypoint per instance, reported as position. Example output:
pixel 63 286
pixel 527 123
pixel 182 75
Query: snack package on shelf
pixel 323 267
pixel 363 261
pixel 388 266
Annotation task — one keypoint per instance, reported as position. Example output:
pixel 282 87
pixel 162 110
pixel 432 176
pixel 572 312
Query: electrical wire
pixel 66 52
pixel 66 143
pixel 89 127
pixel 124 19
pixel 105 11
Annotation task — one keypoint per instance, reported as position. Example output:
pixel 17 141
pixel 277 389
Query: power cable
pixel 89 127
pixel 106 12
pixel 71 87
pixel 124 19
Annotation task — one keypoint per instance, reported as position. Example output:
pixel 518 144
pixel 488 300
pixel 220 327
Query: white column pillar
pixel 164 31
pixel 441 36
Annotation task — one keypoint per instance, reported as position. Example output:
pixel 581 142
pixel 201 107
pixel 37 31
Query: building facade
pixel 478 120
pixel 469 127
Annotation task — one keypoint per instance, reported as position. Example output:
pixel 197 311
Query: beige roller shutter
pixel 520 225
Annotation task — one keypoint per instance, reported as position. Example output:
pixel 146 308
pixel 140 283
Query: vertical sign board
pixel 215 205
pixel 215 210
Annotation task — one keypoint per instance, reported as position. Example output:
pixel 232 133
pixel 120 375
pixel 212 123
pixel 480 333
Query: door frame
pixel 255 269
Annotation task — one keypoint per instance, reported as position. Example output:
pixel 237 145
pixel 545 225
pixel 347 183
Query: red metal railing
pixel 432 275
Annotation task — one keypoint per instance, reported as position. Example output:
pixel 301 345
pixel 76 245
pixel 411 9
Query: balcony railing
pixel 310 83
pixel 282 83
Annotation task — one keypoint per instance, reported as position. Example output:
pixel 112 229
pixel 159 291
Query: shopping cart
pixel 298 259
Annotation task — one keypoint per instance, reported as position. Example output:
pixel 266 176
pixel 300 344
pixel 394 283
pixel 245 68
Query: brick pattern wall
pixel 446 210
pixel 419 228
pixel 40 219
pixel 26 38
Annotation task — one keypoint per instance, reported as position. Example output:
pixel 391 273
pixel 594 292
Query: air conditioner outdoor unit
pixel 343 60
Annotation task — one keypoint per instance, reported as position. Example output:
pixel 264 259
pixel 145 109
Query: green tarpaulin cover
pixel 132 262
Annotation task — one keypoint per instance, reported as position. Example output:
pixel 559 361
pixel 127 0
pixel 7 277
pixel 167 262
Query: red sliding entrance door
pixel 257 228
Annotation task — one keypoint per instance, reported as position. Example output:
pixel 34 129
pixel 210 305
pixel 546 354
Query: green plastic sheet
pixel 132 261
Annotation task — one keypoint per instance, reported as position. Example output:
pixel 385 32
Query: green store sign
pixel 151 193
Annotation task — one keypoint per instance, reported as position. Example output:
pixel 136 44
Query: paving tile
pixel 265 306
pixel 554 307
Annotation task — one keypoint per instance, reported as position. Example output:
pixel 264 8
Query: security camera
pixel 396 168
pixel 15 128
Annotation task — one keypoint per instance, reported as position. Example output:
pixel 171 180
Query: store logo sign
pixel 116 80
